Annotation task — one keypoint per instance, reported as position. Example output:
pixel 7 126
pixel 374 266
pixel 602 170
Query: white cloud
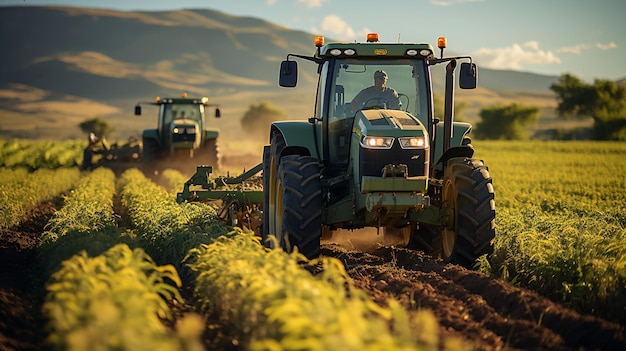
pixel 312 3
pixel 515 57
pixel 576 50
pixel 336 28
pixel 607 46
pixel 533 44
pixel 445 3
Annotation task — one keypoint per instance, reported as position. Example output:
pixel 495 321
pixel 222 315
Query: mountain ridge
pixel 114 58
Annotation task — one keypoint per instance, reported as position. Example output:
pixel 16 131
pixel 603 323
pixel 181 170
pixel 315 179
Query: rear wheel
pixel 298 206
pixel 426 238
pixel 271 156
pixel 209 154
pixel 468 200
pixel 266 191
pixel 149 157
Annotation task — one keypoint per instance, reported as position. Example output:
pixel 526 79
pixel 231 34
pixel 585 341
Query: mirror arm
pixel 435 61
pixel 308 58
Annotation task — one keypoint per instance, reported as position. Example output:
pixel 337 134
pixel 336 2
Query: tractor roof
pixel 182 101
pixel 374 48
pixel 380 50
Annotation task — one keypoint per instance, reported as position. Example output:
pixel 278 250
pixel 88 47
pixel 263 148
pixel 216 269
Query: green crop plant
pixel 21 190
pixel 36 154
pixel 561 225
pixel 167 230
pixel 115 301
pixel 274 304
pixel 173 180
pixel 86 221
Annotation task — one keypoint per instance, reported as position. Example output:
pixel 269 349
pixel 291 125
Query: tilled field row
pixel 488 312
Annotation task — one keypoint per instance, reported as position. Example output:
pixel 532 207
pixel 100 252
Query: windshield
pixel 401 84
pixel 182 111
pixel 352 85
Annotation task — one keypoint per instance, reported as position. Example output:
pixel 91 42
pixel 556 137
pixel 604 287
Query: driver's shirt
pixel 388 94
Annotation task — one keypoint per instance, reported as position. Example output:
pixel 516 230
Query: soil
pixel 488 313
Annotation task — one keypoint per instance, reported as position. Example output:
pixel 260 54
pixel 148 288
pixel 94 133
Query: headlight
pixel 191 130
pixel 374 142
pixel 413 142
pixel 177 131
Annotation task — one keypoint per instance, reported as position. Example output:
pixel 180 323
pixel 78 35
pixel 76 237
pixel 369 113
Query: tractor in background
pixel 182 138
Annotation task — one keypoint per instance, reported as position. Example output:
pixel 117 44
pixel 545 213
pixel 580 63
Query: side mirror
pixel 218 113
pixel 288 74
pixel 137 110
pixel 468 76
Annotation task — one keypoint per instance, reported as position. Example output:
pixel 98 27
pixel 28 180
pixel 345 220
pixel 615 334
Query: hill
pixel 62 65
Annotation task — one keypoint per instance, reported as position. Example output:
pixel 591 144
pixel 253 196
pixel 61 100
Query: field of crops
pixel 120 258
pixel 561 217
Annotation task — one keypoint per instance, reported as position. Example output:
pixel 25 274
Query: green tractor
pixel 182 139
pixel 378 158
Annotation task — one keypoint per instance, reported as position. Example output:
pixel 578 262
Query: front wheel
pixel 468 201
pixel 298 205
pixel 209 154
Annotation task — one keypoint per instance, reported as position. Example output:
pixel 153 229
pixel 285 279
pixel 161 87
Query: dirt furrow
pixel 490 313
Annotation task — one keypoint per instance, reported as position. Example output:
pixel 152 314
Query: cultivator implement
pixel 237 200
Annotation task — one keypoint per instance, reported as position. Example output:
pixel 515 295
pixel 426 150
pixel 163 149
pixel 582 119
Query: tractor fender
pixel 298 135
pixel 150 134
pixel 460 132
pixel 211 134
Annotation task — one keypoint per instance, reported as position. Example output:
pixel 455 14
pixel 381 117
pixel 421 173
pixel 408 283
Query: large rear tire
pixel 271 158
pixel 426 238
pixel 468 198
pixel 150 157
pixel 209 154
pixel 266 196
pixel 298 206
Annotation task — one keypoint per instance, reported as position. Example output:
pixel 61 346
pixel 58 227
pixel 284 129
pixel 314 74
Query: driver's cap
pixel 380 74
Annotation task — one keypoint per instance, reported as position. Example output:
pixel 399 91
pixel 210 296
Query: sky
pixel 549 37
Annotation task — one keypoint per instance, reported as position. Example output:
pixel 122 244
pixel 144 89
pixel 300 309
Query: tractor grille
pixel 184 134
pixel 184 137
pixel 372 161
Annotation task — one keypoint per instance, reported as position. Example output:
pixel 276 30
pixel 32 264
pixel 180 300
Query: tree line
pixel 603 100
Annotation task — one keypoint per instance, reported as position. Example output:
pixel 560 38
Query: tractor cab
pixel 182 132
pixel 358 81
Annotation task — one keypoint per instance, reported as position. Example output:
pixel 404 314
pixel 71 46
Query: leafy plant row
pixel 105 295
pixel 21 190
pixel 35 154
pixel 165 229
pixel 272 303
pixel 85 222
pixel 267 296
pixel 116 301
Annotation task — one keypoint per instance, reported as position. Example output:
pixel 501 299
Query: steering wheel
pixel 380 103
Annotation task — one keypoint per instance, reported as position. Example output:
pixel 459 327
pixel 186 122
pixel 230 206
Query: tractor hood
pixel 393 151
pixel 388 123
